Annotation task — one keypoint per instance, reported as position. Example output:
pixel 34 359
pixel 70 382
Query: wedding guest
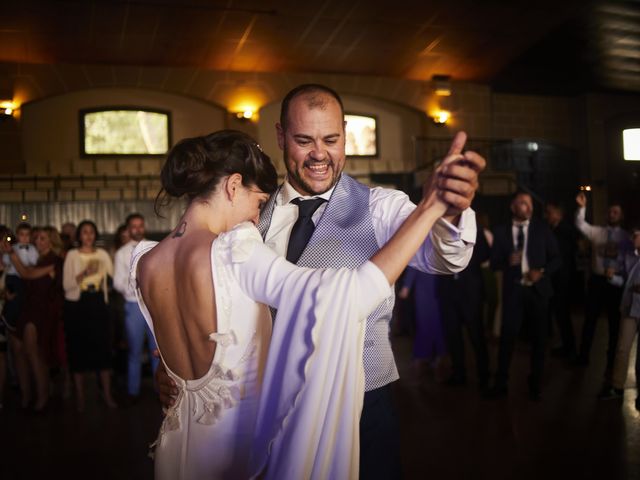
pixel 35 335
pixel 429 345
pixel 86 317
pixel 609 245
pixel 527 253
pixel 28 255
pixel 136 328
pixel 630 322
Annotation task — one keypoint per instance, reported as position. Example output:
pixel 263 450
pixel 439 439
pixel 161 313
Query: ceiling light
pixel 442 85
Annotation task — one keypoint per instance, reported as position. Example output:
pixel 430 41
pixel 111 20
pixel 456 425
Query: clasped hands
pixel 453 184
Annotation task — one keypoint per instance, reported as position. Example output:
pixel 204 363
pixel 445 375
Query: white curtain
pixel 107 215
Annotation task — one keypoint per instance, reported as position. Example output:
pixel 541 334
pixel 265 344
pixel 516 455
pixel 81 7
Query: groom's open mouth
pixel 317 170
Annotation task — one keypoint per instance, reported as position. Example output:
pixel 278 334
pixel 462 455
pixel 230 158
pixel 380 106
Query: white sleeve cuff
pixel 465 230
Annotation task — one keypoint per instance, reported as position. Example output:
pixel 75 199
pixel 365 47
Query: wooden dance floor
pixel 447 432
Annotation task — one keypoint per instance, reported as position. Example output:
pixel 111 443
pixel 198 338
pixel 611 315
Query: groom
pixel 347 224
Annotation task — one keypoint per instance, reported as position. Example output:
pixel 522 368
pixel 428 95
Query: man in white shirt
pixel 348 223
pixel 609 244
pixel 135 325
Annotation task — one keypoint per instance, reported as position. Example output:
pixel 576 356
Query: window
pixel 124 131
pixel 631 144
pixel 362 136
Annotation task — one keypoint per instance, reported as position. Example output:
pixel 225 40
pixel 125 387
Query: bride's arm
pixel 267 277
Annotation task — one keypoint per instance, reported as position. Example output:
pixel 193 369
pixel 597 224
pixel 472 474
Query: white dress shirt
pixel 121 267
pixel 598 236
pixel 447 249
pixel 514 231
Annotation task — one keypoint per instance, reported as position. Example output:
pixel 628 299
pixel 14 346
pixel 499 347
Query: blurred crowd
pixel 540 280
pixel 69 314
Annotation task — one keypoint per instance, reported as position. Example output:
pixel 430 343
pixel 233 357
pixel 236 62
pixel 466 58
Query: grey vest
pixel 344 237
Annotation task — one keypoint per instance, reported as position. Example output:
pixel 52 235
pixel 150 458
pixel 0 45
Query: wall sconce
pixel 245 115
pixel 7 108
pixel 441 117
pixel 442 85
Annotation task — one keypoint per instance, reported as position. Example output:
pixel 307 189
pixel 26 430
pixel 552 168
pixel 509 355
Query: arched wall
pixel 50 128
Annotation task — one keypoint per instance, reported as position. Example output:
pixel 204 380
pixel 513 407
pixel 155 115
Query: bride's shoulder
pixel 143 247
pixel 238 243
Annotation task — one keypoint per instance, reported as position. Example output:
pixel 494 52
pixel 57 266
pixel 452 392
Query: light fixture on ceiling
pixel 442 85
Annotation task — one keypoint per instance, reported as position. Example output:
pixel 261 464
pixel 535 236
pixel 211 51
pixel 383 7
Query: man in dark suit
pixel 527 253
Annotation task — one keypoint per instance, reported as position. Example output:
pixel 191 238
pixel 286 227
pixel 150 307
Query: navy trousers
pixel 379 437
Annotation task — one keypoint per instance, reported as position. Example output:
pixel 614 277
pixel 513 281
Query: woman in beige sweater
pixel 86 314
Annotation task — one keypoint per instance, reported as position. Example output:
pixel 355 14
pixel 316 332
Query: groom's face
pixel 313 142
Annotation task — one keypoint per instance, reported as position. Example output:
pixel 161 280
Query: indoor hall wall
pixel 474 107
pixel 50 129
pixel 534 117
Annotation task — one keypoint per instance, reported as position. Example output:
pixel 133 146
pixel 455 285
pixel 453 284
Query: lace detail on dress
pixel 220 391
pixel 217 397
pixel 171 422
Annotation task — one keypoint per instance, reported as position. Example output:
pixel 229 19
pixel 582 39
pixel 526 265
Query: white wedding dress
pixel 282 404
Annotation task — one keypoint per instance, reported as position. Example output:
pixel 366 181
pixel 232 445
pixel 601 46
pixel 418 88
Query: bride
pixel 252 401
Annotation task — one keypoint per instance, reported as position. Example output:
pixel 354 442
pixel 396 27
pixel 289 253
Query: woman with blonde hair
pixel 34 340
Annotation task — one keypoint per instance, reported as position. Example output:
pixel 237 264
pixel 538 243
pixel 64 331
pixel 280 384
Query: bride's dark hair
pixel 194 166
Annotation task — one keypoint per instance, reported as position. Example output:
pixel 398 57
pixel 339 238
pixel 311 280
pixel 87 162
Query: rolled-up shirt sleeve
pixel 447 249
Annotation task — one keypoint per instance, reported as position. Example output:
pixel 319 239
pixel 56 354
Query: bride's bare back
pixel 177 287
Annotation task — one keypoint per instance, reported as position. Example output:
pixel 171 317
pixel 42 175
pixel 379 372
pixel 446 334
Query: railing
pixel 542 168
pixel 511 164
pixel 36 188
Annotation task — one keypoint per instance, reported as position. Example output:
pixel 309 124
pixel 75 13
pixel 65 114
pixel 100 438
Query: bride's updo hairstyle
pixel 195 166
